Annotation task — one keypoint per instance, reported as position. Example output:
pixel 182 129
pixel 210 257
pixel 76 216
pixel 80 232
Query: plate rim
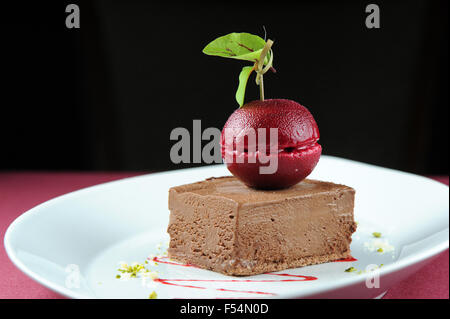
pixel 410 260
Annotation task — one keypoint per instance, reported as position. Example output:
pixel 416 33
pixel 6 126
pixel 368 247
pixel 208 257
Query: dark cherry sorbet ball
pixel 298 151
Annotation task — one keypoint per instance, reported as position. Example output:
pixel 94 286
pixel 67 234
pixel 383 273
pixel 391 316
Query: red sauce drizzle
pixel 348 259
pixel 174 282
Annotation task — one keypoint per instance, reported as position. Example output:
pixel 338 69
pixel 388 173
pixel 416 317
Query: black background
pixel 106 96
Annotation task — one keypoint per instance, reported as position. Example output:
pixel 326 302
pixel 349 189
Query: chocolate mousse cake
pixel 222 225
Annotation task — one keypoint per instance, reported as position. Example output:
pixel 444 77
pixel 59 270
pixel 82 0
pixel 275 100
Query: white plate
pixel 93 229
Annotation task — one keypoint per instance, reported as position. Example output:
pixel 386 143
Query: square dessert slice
pixel 222 225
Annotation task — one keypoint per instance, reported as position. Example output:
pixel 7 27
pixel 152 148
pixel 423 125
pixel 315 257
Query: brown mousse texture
pixel 222 225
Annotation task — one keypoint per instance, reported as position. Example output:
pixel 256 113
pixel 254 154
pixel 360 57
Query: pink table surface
pixel 20 191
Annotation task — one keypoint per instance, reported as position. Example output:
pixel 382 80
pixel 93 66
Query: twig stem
pixel 259 68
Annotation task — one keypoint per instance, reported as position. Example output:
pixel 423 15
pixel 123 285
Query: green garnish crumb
pixel 376 234
pixel 153 295
pixel 380 250
pixel 136 270
pixel 133 270
pixel 351 269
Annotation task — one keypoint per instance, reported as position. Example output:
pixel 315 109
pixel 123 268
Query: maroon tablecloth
pixel 21 191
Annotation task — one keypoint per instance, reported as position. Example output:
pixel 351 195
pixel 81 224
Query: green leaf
pixel 243 79
pixel 240 46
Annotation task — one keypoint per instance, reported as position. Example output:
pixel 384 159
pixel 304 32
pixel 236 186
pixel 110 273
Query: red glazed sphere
pixel 297 151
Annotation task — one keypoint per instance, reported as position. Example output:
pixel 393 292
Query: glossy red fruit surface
pixel 297 151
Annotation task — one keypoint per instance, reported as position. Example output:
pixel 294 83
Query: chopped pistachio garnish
pixel 351 269
pixel 138 270
pixel 376 234
pixel 380 250
pixel 133 270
